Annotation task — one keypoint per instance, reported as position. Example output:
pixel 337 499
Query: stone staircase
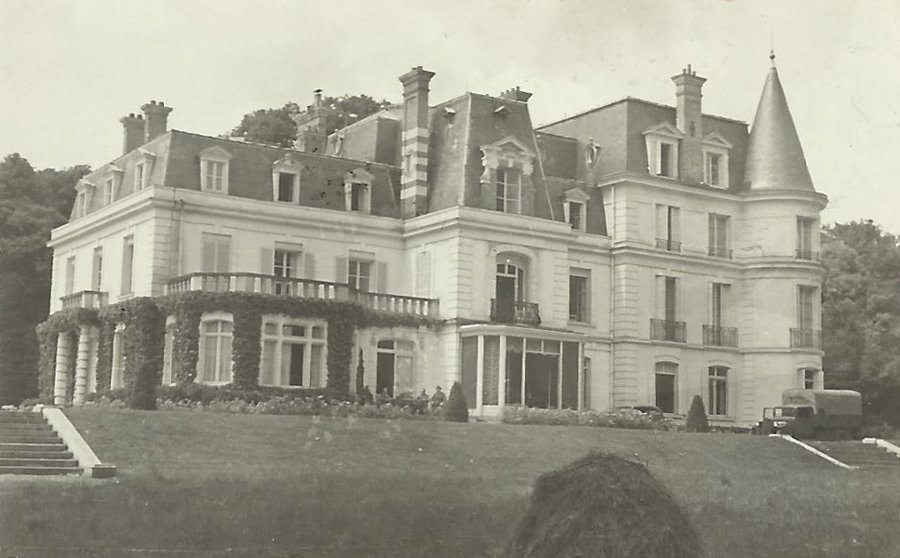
pixel 864 456
pixel 28 446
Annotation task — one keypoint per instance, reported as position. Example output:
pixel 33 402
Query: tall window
pixel 509 190
pixel 670 301
pixel 423 274
pixel 97 271
pixel 81 206
pixel 805 228
pixel 293 353
pixel 286 265
pixel 665 159
pixel 394 366
pixel 358 193
pixel 215 176
pixel 359 275
pixel 286 187
pixel 805 307
pixel 717 304
pixel 215 349
pixel 70 275
pixel 718 390
pixel 128 265
pixel 666 383
pixel 576 215
pixel 139 171
pixel 216 252
pixel 109 191
pixel 713 171
pixel 668 228
pixel 718 236
pixel 579 290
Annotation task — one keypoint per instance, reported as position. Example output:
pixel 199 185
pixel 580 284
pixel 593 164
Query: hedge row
pixel 144 334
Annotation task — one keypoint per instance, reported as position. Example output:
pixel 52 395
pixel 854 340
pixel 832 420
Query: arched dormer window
pixel 506 180
pixel 142 168
pixel 286 180
pixel 84 193
pixel 214 163
pixel 358 190
pixel 715 160
pixel 662 149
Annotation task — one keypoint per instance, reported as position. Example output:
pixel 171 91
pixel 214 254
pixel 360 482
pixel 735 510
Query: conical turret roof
pixel 775 158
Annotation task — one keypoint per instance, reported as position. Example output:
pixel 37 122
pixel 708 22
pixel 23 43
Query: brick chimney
pixel 311 126
pixel 134 132
pixel 688 119
pixel 156 116
pixel 516 94
pixel 414 142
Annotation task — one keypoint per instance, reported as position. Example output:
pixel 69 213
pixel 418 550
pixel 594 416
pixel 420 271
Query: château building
pixel 634 254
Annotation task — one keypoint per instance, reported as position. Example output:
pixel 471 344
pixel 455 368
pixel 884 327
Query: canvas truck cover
pixel 831 401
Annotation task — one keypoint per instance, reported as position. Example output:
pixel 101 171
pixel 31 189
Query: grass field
pixel 299 486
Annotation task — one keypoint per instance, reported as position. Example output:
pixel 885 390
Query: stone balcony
pixel 668 330
pixel 85 299
pixel 303 288
pixel 515 312
pixel 805 338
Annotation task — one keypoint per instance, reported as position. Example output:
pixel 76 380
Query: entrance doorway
pixel 541 380
pixel 510 290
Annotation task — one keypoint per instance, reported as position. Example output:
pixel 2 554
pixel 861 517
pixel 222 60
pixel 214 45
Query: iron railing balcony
pixel 514 312
pixel 302 288
pixel 719 252
pixel 85 299
pixel 668 330
pixel 668 245
pixel 803 254
pixel 805 338
pixel 718 336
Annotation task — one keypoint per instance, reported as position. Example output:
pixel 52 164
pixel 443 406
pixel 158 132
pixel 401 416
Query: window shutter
pixel 209 255
pixel 340 270
pixel 309 266
pixel 661 296
pixel 267 261
pixel 223 262
pixel 381 277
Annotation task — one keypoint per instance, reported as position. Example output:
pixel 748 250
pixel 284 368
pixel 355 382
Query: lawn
pixel 282 486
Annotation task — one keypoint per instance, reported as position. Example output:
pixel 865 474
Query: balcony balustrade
pixel 302 288
pixel 668 245
pixel 666 330
pixel 804 338
pixel 719 252
pixel 514 312
pixel 85 299
pixel 717 336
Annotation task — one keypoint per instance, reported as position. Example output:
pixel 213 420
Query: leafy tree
pixel 696 418
pixel 31 204
pixel 861 314
pixel 278 125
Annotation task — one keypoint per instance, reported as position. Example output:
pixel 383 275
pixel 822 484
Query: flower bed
pixel 565 417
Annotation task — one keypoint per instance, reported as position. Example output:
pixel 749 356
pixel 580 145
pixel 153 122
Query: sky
pixel 69 70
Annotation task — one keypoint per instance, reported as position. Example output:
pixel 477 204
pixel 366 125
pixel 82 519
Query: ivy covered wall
pixel 143 338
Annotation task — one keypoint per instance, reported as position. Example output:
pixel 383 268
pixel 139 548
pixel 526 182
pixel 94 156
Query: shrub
pixel 696 418
pixel 604 506
pixel 625 418
pixel 456 409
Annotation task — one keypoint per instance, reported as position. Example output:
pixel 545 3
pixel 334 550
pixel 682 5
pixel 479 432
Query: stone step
pixel 19 446
pixel 61 453
pixel 22 426
pixel 19 416
pixel 34 438
pixel 17 470
pixel 19 462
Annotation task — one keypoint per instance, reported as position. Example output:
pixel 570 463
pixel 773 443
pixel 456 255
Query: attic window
pixel 358 191
pixel 575 208
pixel 214 170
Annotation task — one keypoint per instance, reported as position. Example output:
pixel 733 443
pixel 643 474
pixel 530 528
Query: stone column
pixel 63 347
pixel 81 365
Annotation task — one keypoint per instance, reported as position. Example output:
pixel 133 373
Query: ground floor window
pixel 718 390
pixel 394 366
pixel 293 352
pixel 666 382
pixel 214 365
pixel 808 378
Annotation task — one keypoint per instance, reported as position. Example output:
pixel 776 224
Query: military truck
pixel 822 414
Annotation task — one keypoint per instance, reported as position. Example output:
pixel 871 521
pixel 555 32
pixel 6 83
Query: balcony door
pixel 510 290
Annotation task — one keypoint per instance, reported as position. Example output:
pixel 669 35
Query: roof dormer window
pixel 358 191
pixel 286 180
pixel 575 208
pixel 214 164
pixel 662 150
pixel 507 176
pixel 715 161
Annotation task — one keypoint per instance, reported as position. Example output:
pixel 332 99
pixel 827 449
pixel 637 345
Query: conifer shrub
pixel 456 409
pixel 696 418
pixel 603 506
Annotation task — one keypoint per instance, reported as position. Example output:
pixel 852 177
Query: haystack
pixel 603 506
